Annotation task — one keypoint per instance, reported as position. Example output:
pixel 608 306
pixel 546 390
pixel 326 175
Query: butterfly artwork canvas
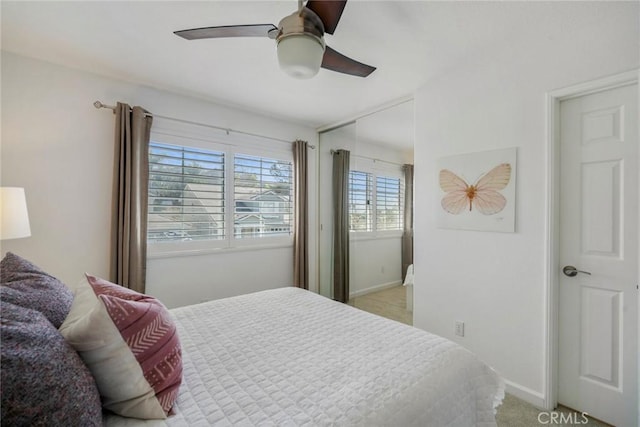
pixel 477 191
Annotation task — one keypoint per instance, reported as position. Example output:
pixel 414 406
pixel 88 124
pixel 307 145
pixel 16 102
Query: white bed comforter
pixel 289 357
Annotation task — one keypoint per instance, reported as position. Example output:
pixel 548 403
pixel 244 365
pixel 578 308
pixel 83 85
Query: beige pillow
pixel 119 376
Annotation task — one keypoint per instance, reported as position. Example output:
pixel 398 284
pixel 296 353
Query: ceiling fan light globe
pixel 300 55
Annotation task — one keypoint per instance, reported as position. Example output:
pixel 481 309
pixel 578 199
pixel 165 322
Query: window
pixel 387 196
pixel 360 197
pixel 186 194
pixel 205 195
pixel 389 206
pixel 262 195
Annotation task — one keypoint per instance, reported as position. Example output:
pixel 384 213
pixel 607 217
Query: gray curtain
pixel 301 216
pixel 407 233
pixel 341 225
pixel 130 197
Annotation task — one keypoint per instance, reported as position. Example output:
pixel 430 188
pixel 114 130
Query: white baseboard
pixel 526 394
pixel 374 288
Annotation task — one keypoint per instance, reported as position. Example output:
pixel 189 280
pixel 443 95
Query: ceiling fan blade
pixel 329 12
pixel 335 61
pixel 257 30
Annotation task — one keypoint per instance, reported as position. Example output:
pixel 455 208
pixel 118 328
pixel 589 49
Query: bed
pixel 282 357
pixel 291 357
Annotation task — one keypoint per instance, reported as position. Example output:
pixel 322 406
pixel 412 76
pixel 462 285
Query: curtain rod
pixel 99 105
pixel 332 151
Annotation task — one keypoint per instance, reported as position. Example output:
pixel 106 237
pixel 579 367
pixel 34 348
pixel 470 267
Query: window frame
pixel 206 138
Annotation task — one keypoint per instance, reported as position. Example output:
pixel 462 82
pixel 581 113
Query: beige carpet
pixel 390 303
pixel 515 412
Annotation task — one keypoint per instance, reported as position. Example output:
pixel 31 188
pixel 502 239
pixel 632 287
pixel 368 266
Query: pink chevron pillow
pixel 129 342
pixel 149 331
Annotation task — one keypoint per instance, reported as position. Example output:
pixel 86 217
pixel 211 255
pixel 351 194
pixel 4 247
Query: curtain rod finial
pixel 99 105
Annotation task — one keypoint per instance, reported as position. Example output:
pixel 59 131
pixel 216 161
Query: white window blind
pixel 360 200
pixel 186 193
pixel 389 203
pixel 262 193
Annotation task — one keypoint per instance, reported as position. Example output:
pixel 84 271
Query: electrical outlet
pixel 460 328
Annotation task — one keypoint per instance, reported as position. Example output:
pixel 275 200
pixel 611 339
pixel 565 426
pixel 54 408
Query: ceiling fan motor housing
pixel 300 43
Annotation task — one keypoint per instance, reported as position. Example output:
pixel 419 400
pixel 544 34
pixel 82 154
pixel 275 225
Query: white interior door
pixel 598 308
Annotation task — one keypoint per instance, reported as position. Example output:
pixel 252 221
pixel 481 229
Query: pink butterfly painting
pixel 484 195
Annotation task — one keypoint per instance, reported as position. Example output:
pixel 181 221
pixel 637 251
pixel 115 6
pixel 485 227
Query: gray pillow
pixel 26 285
pixel 44 381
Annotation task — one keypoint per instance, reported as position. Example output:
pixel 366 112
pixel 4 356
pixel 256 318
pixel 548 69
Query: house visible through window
pixel 376 202
pixel 191 188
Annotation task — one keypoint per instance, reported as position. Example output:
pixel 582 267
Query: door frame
pixel 552 211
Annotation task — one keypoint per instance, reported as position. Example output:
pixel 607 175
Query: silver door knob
pixel 571 271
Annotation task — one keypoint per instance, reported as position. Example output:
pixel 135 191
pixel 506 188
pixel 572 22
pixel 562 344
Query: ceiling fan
pixel 299 37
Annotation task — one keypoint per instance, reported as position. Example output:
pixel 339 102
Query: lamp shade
pixel 14 219
pixel 300 55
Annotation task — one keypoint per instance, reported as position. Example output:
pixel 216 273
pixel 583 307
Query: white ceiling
pixel 409 41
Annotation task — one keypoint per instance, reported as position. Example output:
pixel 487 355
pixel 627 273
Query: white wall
pixel 495 282
pixel 374 262
pixel 60 148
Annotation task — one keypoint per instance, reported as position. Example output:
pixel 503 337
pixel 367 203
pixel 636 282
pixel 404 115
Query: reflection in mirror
pixel 380 144
pixel 391 128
